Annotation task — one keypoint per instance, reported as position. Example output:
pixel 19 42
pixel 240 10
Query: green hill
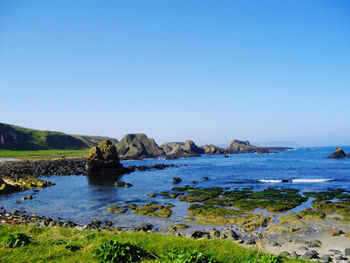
pixel 18 138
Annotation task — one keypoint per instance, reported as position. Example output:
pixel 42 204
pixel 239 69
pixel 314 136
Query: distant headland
pixel 131 146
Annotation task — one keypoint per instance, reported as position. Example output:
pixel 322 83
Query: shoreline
pixel 330 240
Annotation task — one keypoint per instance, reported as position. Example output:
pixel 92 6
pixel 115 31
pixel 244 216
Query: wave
pixel 302 180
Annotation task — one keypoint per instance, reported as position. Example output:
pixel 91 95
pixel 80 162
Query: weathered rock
pixel 314 243
pixel 176 180
pixel 325 259
pixel 138 146
pixel 214 233
pixel 285 253
pixel 334 232
pixel 347 252
pixel 103 160
pixel 338 154
pixel 229 234
pixel 294 254
pixel 197 234
pixel 312 254
pixel 212 149
pixel 175 150
pixel 122 184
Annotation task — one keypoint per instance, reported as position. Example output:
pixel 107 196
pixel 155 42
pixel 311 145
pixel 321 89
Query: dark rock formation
pixel 103 160
pixel 176 180
pixel 237 146
pixel 138 146
pixel 338 154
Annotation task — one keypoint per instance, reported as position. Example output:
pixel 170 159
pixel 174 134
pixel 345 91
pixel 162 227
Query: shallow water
pixel 75 198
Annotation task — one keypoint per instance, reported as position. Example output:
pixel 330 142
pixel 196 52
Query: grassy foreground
pixel 47 245
pixel 42 154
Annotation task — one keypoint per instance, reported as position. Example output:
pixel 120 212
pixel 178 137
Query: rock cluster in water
pixel 139 146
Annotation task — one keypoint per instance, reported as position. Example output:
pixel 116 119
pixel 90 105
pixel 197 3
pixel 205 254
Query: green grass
pixel 50 245
pixel 42 154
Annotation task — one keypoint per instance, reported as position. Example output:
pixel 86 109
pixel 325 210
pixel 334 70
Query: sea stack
pixel 338 154
pixel 103 160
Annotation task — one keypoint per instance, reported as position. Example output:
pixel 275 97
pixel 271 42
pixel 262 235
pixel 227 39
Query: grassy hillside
pixel 18 138
pixel 69 245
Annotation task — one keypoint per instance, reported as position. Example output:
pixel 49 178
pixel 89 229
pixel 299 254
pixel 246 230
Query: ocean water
pixel 78 199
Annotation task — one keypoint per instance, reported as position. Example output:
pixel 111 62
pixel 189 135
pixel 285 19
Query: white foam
pixel 302 180
pixel 311 180
pixel 270 181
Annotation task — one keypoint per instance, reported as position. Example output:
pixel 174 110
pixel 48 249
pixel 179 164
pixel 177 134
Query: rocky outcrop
pixel 339 154
pixel 138 146
pixel 212 149
pixel 103 160
pixel 238 146
pixel 175 150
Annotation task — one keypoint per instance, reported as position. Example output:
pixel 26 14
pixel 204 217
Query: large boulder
pixel 138 146
pixel 103 159
pixel 338 154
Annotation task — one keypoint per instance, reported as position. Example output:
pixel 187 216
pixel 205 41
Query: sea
pixel 76 198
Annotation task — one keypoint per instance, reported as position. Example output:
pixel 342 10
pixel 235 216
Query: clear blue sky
pixel 210 71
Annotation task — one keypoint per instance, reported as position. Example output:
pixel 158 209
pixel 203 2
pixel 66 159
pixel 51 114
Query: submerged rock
pixel 176 180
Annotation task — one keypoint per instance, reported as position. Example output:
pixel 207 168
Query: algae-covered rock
pixel 103 160
pixel 122 184
pixel 116 209
pixel 152 209
pixel 11 185
pixel 177 226
pixel 138 146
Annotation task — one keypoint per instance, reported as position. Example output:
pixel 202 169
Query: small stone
pixel 294 254
pixel 205 178
pixel 310 254
pixel 214 233
pixel 314 243
pixel 334 232
pixel 250 241
pixel 120 184
pixel 176 180
pixel 285 253
pixel 325 259
pixel 196 234
pixel 340 257
pixel 347 252
pixel 334 251
pixel 229 234
pixel 303 248
pixel 152 195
